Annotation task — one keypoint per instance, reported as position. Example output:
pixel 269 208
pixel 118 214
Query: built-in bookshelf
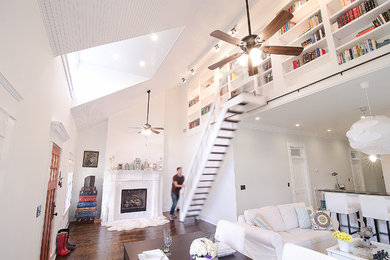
pixel 318 28
pixel 358 28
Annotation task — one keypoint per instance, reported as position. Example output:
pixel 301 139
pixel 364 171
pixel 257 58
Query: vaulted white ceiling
pixel 76 25
pixel 105 69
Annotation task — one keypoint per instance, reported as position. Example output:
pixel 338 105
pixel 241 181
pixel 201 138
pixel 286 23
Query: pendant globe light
pixel 371 134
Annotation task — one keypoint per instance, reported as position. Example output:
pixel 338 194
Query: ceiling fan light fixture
pixel 255 55
pixel 243 60
pixel 146 132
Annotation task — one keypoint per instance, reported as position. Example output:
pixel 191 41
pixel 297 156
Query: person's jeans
pixel 175 198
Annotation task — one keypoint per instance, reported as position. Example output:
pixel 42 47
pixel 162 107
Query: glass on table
pixel 167 240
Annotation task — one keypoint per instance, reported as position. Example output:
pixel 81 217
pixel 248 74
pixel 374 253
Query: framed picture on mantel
pixel 91 159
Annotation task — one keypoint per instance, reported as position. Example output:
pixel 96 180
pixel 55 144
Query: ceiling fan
pixel 147 129
pixel 252 45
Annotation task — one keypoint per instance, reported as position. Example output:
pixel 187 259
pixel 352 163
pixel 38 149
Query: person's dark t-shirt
pixel 179 181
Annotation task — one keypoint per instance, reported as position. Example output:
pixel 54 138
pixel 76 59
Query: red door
pixel 50 202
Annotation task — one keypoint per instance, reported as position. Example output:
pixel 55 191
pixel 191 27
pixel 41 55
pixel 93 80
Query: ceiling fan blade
pixel 281 19
pixel 154 131
pixel 283 50
pixel 222 62
pixel 158 128
pixel 225 37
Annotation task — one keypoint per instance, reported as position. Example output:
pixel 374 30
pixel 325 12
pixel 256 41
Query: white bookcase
pixel 233 79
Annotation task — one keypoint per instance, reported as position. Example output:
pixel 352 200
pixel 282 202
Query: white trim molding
pixel 59 132
pixel 11 90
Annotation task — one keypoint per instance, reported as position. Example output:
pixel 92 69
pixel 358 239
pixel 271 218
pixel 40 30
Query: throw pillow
pixel 303 215
pixel 260 223
pixel 321 220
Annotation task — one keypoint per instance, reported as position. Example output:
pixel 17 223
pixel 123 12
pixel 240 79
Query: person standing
pixel 177 184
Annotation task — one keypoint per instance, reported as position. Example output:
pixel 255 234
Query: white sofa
pixel 261 243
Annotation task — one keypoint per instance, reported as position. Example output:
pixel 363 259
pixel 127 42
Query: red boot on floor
pixel 61 244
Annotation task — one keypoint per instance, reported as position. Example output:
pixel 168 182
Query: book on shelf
pixel 296 5
pixel 345 3
pixel 315 37
pixel 193 101
pixel 268 78
pixel 205 109
pixel 381 44
pixel 287 27
pixel 267 65
pixel 365 31
pixel 194 123
pixel 307 57
pixel 356 12
pixel 312 22
pixel 360 49
pixel 381 19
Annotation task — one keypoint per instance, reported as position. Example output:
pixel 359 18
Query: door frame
pixel 306 170
pixel 359 159
pixel 49 244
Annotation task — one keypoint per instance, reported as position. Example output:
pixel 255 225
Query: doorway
pixel 300 179
pixel 50 202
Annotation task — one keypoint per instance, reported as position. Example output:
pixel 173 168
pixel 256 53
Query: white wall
pixel 125 143
pixel 385 161
pixel 221 202
pixel 262 164
pixel 27 62
pixel 91 139
pixel 372 175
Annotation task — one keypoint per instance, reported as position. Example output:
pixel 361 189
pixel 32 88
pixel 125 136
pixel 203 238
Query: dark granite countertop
pixel 356 192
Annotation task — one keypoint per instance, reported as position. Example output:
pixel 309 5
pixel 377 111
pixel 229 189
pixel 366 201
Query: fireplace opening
pixel 133 200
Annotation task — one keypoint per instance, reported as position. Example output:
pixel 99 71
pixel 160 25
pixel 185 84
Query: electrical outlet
pixel 39 208
pixel 243 187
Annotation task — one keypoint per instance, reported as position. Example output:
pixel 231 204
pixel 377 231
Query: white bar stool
pixel 375 207
pixel 337 203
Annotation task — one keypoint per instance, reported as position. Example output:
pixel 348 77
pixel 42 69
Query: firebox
pixel 133 200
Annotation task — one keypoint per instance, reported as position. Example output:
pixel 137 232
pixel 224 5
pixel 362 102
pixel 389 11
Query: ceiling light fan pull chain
pixel 368 101
pixel 247 15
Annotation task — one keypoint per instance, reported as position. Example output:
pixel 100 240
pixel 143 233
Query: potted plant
pixel 343 239
pixel 203 248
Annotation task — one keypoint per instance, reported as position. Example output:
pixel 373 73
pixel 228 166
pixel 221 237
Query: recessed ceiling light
pixel 329 130
pixel 115 56
pixel 154 37
pixel 297 125
pixel 142 63
pixel 257 118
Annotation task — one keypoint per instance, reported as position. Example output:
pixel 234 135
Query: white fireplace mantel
pixel 118 180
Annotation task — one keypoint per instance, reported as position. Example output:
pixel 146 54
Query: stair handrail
pixel 190 188
pixel 190 176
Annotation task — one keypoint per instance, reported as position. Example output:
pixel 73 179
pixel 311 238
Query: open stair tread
pixel 196 204
pixel 218 153
pixel 201 193
pixel 231 120
pixel 198 199
pixel 225 137
pixel 232 111
pixel 221 145
pixel 215 160
pixel 227 129
pixel 203 187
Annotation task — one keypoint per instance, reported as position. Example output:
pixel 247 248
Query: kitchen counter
pixel 356 192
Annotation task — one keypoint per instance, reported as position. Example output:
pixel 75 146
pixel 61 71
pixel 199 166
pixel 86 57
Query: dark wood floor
pixel 96 242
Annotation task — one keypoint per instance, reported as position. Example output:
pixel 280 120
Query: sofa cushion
pixel 270 215
pixel 304 218
pixel 289 216
pixel 260 223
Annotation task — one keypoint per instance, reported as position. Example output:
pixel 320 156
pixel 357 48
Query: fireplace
pixel 133 200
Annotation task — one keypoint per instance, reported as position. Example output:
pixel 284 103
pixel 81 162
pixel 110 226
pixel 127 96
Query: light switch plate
pixel 39 208
pixel 243 187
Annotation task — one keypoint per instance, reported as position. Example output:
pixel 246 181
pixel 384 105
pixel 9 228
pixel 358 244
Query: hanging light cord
pixel 368 101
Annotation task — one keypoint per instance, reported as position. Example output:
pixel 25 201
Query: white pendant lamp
pixel 371 134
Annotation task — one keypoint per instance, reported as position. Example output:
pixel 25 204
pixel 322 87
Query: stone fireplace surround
pixel 116 181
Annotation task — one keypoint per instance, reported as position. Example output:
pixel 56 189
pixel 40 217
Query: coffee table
pixel 335 252
pixel 180 248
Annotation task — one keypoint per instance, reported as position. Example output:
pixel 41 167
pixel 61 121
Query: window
pixel 68 195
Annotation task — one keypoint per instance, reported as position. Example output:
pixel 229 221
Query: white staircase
pixel 215 139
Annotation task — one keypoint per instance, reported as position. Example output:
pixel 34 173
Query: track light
pixel 183 80
pixel 193 71
pixel 233 31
